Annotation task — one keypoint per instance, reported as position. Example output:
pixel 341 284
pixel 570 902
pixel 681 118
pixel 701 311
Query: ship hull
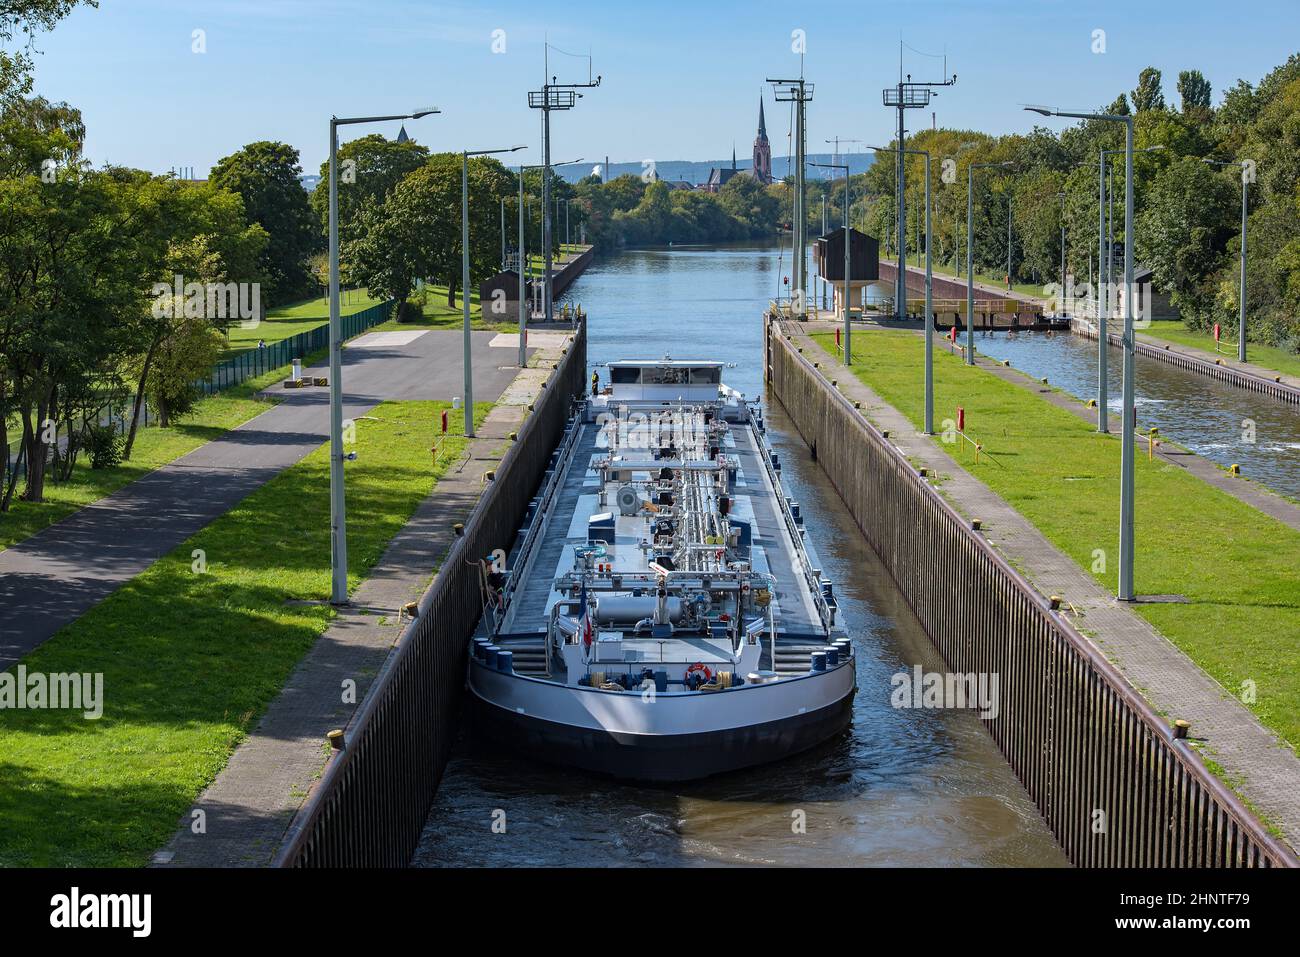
pixel 632 739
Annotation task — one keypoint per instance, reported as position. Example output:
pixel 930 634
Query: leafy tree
pixel 1147 95
pixel 1193 91
pixel 416 233
pixel 380 164
pixel 208 242
pixel 266 177
pixel 1182 230
pixel 75 257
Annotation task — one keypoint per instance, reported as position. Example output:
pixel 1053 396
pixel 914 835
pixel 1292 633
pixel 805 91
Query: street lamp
pixel 1105 242
pixel 929 291
pixel 1246 167
pixel 848 327
pixel 970 253
pixel 464 274
pixel 523 259
pixel 338 516
pixel 1125 590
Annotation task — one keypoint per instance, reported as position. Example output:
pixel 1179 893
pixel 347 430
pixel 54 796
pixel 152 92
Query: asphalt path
pixel 57 575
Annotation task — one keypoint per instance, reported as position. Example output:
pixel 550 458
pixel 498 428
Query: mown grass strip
pixel 1267 357
pixel 190 660
pixel 1236 566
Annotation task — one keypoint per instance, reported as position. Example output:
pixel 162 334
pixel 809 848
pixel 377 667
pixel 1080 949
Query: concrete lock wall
pixel 370 805
pixel 1107 775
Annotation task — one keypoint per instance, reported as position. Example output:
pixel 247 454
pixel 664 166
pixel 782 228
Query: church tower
pixel 762 149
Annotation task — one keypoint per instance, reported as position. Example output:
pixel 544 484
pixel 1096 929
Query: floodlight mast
pixel 798 91
pixel 553 96
pixel 907 94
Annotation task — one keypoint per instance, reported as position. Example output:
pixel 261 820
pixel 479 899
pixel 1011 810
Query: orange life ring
pixel 700 666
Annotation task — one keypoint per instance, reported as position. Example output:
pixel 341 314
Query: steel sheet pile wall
pixel 1113 785
pixel 371 803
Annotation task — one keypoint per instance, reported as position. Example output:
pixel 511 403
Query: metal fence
pixel 1112 783
pixel 262 359
pixel 370 805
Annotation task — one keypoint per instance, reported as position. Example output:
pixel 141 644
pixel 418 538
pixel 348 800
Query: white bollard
pixel 297 369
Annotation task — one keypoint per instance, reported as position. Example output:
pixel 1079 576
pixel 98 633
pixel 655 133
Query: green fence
pixel 262 359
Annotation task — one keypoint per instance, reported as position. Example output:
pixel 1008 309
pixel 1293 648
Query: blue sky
pixel 681 80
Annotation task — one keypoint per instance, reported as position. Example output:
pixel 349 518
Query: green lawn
pixel 290 320
pixel 1269 357
pixel 154 447
pixel 438 315
pixel 190 661
pixel 1236 566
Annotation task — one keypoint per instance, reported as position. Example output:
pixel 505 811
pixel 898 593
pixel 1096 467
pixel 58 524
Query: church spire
pixel 762 123
pixel 733 155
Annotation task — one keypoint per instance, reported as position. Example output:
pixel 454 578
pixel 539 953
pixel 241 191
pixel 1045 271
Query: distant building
pixel 761 169
pixel 718 177
pixel 762 150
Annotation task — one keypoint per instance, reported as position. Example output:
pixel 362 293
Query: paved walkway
pixel 251 803
pixel 60 573
pixel 1229 361
pixel 1262 768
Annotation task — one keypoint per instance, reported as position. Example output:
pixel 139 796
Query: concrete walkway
pixel 60 573
pixel 251 803
pixel 1230 361
pixel 1260 767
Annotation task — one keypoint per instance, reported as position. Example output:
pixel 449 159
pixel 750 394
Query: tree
pixel 1147 95
pixel 1182 230
pixel 208 242
pixel 1193 91
pixel 416 233
pixel 266 177
pixel 369 169
pixel 75 258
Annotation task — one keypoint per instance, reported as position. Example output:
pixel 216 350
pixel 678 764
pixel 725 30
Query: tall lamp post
pixel 1105 242
pixel 1241 293
pixel 1125 590
pixel 464 274
pixel 338 513
pixel 848 326
pixel 929 295
pixel 970 254
pixel 523 259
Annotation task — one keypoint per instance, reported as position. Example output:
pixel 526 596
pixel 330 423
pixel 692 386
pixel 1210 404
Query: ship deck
pixel 773 551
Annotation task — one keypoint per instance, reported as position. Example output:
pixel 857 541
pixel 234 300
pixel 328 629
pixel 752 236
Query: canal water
pixel 1221 422
pixel 899 788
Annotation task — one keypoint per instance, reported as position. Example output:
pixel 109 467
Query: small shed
pixel 864 263
pixel 504 286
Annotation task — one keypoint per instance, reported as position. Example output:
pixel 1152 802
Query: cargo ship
pixel 662 615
